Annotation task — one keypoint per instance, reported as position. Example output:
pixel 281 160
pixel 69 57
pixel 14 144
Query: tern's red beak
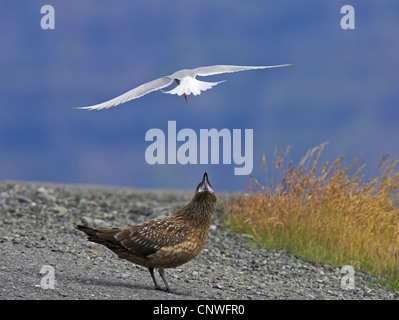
pixel 185 97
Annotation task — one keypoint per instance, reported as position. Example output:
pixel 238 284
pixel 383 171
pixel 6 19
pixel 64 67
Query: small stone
pixel 218 285
pixel 61 210
pixel 45 194
pixel 241 255
pixel 23 199
pixel 98 223
pixel 86 221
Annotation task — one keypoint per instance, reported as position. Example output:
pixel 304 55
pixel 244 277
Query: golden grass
pixel 329 215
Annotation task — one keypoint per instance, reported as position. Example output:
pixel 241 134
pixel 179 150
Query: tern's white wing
pixel 132 94
pixel 218 69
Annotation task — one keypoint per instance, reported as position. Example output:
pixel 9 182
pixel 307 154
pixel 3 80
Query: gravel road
pixel 37 230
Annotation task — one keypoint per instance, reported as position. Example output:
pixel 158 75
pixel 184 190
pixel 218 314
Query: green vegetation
pixel 329 215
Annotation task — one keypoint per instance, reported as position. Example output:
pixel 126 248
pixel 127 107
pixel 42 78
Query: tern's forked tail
pixel 193 86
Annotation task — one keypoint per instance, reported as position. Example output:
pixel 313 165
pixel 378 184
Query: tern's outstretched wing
pixel 218 69
pixel 132 94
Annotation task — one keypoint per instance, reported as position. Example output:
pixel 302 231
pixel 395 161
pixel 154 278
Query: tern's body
pixel 186 83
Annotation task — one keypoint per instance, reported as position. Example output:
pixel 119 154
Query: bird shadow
pixel 112 283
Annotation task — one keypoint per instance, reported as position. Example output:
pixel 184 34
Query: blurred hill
pixel 343 88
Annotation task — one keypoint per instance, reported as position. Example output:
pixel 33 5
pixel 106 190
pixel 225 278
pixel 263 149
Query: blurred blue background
pixel 343 88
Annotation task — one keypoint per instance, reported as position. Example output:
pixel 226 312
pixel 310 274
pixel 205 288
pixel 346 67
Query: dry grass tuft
pixel 328 215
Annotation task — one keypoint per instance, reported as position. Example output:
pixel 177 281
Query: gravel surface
pixel 37 229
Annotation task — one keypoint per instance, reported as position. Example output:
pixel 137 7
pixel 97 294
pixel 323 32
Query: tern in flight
pixel 186 84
